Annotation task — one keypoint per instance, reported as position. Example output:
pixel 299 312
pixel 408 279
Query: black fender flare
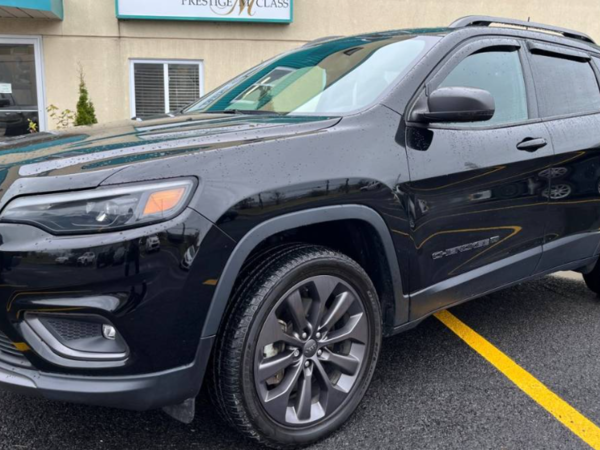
pixel 290 221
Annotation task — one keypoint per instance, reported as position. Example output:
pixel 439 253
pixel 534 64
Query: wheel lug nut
pixel 304 335
pixel 307 363
pixel 296 353
pixel 320 352
pixel 318 335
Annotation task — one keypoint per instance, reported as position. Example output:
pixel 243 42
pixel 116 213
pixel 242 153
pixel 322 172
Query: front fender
pixel 291 221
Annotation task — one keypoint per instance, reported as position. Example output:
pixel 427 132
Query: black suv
pixel 267 237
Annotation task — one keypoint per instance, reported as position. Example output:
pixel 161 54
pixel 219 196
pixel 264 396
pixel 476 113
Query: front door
pixel 21 99
pixel 476 195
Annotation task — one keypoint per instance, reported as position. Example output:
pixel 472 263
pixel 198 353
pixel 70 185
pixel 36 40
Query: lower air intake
pixel 9 353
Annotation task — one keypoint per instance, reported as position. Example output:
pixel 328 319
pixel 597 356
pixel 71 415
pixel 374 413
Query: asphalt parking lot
pixel 431 390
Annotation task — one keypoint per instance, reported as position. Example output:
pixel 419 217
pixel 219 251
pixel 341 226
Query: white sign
pixel 214 10
pixel 5 88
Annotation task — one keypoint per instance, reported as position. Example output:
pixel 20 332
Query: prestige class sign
pixel 213 10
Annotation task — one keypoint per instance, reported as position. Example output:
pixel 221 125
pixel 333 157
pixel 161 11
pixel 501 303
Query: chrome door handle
pixel 532 144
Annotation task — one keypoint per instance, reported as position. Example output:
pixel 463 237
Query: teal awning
pixel 32 9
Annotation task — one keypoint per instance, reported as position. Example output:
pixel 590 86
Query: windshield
pixel 330 78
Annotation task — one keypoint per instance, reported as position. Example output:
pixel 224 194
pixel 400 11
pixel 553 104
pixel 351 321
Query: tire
pixel 592 279
pixel 282 386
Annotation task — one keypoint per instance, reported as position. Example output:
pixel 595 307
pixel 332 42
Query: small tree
pixel 85 114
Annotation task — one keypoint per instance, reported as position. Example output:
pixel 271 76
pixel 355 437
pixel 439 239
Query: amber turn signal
pixel 163 201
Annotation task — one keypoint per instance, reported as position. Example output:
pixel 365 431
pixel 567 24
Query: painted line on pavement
pixel 581 426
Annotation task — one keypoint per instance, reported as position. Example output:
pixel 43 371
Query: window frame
pixel 165 63
pixel 556 50
pixel 38 48
pixel 453 59
pixel 596 65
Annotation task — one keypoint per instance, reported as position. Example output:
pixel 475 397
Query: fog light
pixel 75 340
pixel 109 332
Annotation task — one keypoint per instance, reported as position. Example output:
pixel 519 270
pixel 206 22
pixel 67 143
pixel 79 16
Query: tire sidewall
pixel 355 277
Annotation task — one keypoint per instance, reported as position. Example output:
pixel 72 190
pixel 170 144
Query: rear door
pixel 476 198
pixel 569 103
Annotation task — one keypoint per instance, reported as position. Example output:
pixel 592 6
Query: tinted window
pixel 500 73
pixel 565 86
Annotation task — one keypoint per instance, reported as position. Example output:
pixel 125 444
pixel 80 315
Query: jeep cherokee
pixel 269 235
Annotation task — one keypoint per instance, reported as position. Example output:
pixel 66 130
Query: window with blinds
pixel 161 87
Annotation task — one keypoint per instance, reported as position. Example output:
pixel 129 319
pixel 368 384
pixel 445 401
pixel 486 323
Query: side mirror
pixel 457 104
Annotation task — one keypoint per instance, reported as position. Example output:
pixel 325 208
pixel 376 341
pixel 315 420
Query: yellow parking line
pixel 561 410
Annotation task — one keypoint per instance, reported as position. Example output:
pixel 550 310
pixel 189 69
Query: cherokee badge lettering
pixel 466 247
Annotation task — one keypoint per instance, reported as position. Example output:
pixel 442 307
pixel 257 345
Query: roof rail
pixel 486 21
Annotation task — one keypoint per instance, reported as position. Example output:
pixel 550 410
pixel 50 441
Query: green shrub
pixel 85 114
pixel 63 119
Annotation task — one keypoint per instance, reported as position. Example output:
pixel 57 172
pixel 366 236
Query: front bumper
pixel 140 393
pixel 154 284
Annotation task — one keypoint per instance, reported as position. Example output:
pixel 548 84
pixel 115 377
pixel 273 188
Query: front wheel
pixel 299 348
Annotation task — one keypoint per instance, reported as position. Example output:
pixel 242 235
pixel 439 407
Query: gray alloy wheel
pixel 558 192
pixel 553 172
pixel 310 351
pixel 299 347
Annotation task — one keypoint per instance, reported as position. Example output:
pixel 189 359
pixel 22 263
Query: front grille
pixel 10 354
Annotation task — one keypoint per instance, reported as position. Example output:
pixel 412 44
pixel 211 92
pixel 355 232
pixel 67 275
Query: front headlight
pixel 102 209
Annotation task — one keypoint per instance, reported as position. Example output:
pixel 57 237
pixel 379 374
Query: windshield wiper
pixel 247 112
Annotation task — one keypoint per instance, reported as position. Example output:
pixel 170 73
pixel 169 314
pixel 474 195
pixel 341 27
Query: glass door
pixel 21 92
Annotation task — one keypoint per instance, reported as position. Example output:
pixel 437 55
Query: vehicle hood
pixel 83 157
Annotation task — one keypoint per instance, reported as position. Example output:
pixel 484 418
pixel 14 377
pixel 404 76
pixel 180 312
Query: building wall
pixel 91 37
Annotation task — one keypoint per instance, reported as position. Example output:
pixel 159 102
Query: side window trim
pixel 532 100
pixel 453 59
pixel 558 52
pixel 464 52
pixel 595 62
